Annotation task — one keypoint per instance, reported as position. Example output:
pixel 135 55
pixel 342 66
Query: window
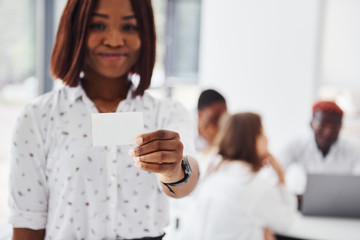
pixel 178 32
pixel 178 36
pixel 18 83
pixel 339 59
pixel 183 32
pixel 17 49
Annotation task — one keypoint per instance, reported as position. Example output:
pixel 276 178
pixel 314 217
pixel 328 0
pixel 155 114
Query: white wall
pixel 341 48
pixel 340 61
pixel 262 55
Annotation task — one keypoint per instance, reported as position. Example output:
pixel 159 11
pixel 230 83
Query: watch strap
pixel 187 174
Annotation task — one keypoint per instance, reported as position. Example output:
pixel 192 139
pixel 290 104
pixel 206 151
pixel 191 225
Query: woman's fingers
pixel 157 135
pixel 160 157
pixel 268 234
pixel 155 146
pixel 270 160
pixel 155 167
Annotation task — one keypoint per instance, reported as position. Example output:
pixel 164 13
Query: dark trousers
pixel 288 238
pixel 145 238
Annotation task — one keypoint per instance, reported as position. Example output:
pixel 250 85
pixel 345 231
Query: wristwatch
pixel 187 174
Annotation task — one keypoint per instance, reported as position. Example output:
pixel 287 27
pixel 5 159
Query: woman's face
pixel 262 145
pixel 113 44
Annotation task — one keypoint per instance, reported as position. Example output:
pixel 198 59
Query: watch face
pixel 186 166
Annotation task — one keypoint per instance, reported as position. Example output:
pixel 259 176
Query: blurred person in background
pixel 62 187
pixel 235 202
pixel 324 152
pixel 211 106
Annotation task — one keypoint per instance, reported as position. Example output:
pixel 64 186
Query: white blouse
pixel 60 182
pixel 236 204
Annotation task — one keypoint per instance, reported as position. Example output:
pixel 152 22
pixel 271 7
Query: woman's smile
pixel 113 56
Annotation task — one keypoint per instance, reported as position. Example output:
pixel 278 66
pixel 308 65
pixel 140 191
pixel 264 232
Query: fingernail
pixel 139 140
pixel 138 164
pixel 137 159
pixel 131 152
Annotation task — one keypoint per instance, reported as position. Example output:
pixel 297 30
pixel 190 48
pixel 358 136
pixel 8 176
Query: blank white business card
pixel 109 129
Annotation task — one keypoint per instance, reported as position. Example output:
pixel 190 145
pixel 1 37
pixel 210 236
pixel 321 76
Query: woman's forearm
pixel 28 234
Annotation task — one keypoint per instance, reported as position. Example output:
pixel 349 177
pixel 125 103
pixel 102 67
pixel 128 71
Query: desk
pixel 323 228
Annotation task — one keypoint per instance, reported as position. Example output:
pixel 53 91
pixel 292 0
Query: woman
pixel 64 188
pixel 235 202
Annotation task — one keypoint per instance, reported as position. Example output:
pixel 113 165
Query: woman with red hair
pixel 324 152
pixel 64 188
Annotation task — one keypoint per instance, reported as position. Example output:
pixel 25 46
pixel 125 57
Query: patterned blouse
pixel 61 183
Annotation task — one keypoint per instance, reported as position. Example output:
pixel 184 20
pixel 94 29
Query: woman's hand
pixel 270 160
pixel 160 152
pixel 268 234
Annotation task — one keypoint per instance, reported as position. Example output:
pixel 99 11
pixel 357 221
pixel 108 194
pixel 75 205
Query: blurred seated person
pixel 235 202
pixel 211 106
pixel 323 152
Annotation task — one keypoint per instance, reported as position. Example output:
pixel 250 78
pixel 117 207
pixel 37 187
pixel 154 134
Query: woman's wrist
pixel 172 177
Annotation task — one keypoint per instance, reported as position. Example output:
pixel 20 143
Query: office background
pixel 272 57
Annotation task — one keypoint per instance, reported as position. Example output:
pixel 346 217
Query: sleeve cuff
pixel 25 219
